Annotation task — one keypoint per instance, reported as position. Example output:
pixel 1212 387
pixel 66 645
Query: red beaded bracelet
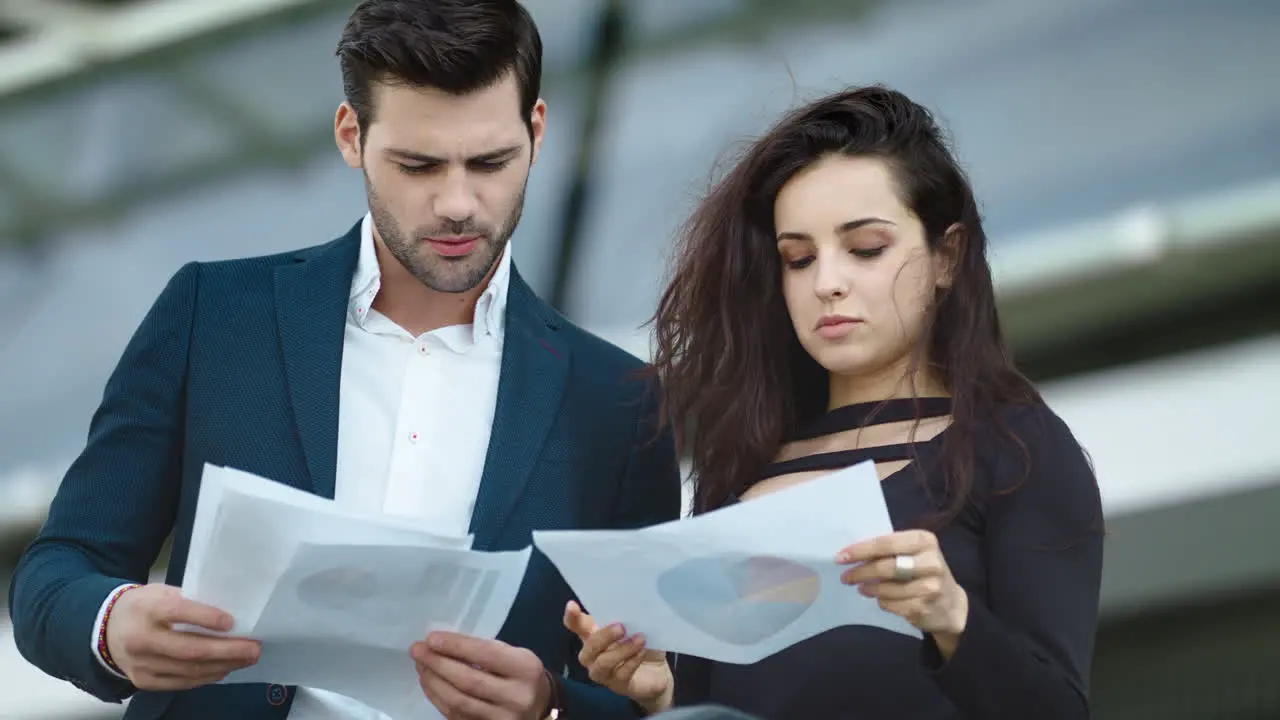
pixel 102 629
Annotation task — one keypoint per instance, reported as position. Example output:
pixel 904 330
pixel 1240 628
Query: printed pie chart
pixel 339 588
pixel 739 599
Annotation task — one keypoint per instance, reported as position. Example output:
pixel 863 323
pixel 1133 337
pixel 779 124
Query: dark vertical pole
pixel 603 58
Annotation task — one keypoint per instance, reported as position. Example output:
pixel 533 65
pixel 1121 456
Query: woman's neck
pixel 893 383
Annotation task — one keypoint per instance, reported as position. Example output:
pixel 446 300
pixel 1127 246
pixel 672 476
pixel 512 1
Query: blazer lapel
pixel 535 365
pixel 311 306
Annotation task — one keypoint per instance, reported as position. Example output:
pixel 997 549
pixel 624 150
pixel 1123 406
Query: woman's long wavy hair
pixel 737 381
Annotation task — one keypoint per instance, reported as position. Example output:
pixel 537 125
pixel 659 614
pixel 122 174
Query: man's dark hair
pixel 458 46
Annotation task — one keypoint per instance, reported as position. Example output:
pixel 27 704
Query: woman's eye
pixel 867 252
pixel 799 264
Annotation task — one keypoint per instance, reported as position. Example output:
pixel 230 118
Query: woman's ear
pixel 946 256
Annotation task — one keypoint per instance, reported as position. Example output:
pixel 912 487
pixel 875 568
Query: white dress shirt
pixel 414 419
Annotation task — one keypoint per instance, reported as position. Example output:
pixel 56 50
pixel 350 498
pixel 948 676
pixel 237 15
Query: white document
pixel 247 527
pixel 343 617
pixel 740 583
pixel 337 598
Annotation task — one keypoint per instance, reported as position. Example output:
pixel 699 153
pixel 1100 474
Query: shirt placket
pixel 409 484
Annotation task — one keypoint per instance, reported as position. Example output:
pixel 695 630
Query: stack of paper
pixel 336 597
pixel 738 584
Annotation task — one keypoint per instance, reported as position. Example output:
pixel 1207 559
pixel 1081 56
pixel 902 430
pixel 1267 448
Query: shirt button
pixel 413 437
pixel 422 350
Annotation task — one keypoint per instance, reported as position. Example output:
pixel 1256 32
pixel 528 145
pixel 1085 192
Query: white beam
pixel 68 38
pixel 1139 237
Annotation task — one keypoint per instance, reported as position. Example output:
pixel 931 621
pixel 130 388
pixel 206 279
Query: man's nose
pixel 456 200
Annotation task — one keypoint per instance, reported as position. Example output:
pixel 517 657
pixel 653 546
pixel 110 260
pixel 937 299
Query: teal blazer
pixel 238 364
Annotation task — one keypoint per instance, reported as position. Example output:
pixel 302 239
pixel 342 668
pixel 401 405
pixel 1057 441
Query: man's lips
pixel 453 246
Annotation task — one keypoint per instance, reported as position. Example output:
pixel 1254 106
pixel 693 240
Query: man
pixel 402 368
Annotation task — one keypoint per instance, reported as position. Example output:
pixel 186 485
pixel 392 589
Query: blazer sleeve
pixel 649 493
pixel 115 505
pixel 1027 651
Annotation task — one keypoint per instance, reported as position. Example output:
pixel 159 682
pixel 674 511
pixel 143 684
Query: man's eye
pixel 489 165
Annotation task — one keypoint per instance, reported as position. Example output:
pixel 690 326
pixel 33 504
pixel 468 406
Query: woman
pixel 832 303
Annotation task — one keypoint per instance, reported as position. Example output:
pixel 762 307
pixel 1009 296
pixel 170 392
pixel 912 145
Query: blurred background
pixel 1125 152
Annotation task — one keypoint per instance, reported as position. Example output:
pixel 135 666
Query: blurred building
pixel 1124 151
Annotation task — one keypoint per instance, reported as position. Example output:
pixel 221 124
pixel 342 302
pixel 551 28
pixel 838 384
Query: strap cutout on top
pixel 839 459
pixel 896 429
pixel 851 417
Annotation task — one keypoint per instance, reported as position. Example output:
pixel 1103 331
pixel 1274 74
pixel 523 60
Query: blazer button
pixel 277 694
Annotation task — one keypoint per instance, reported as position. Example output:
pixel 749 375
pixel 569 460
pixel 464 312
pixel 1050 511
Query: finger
pixel 600 641
pixel 164 683
pixel 429 683
pixel 157 678
pixel 193 674
pixel 495 656
pixel 176 609
pixel 452 702
pixel 884 569
pixel 579 622
pixel 924 589
pixel 609 664
pixel 628 668
pixel 907 542
pixel 478 684
pixel 180 647
pixel 913 611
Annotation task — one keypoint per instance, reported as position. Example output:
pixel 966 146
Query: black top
pixel 1027 549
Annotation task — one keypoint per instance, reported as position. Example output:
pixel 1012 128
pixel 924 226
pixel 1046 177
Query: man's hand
pixel 154 656
pixel 471 679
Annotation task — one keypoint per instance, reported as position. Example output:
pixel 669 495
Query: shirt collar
pixel 491 307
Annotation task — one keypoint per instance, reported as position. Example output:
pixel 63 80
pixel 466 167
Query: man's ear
pixel 347 135
pixel 947 255
pixel 537 128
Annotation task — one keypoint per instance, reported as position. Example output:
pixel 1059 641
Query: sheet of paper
pixel 337 598
pixel 246 529
pixel 343 617
pixel 738 584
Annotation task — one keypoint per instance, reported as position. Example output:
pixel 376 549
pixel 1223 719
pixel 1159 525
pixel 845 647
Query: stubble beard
pixel 442 274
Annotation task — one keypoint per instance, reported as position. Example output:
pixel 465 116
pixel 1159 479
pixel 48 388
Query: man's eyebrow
pixel 840 229
pixel 491 156
pixel 496 155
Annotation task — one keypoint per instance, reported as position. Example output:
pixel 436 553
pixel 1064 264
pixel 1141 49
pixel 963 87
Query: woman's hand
pixel 909 576
pixel 622 665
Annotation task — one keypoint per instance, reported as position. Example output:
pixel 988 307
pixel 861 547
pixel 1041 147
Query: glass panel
pixel 568 30
pixel 10 31
pixel 41 139
pixel 8 209
pixel 537 240
pixel 146 128
pixel 657 19
pixel 1060 112
pixel 287 77
pixel 98 140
